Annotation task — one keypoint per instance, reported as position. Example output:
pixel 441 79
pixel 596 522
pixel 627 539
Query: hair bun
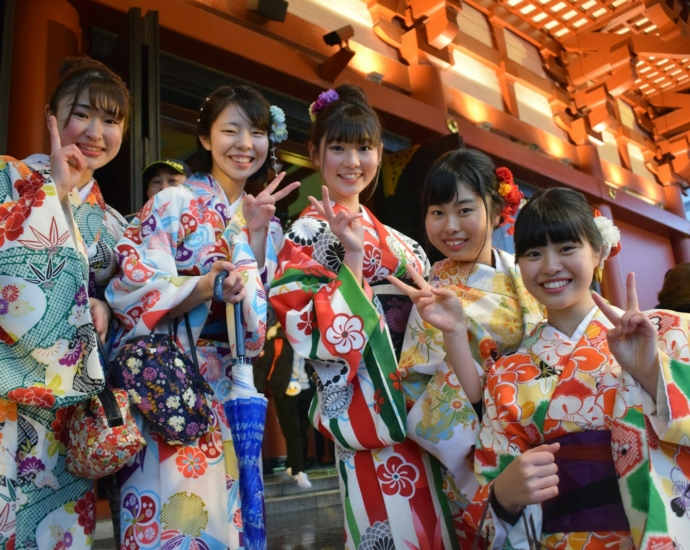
pixel 79 63
pixel 352 94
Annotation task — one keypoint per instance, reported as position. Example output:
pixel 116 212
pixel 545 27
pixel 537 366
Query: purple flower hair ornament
pixel 329 96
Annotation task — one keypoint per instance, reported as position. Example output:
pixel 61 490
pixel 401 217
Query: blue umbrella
pixel 246 412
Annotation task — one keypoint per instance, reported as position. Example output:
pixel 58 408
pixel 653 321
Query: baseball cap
pixel 177 165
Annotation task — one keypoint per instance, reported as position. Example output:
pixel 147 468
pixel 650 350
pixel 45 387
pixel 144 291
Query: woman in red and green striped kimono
pixel 334 259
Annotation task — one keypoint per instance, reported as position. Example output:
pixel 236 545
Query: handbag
pixel 103 435
pixel 165 385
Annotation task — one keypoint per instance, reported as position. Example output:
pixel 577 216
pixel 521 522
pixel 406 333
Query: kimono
pixel 567 388
pixel 440 418
pixel 49 362
pixel 387 487
pixel 188 495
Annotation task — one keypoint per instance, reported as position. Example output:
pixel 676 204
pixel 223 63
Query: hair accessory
pixel 329 96
pixel 611 237
pixel 277 134
pixel 508 189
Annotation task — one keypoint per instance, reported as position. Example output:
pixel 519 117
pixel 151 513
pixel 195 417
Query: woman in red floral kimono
pixel 333 261
pixel 591 416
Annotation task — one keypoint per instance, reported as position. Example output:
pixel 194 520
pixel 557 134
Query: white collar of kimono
pixel 234 205
pixel 581 328
pixel 42 161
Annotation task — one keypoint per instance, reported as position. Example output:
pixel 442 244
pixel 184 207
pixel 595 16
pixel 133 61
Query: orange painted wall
pixel 649 256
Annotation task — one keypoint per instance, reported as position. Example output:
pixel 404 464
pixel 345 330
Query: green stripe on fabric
pixel 335 430
pixel 384 361
pixel 443 501
pixel 638 487
pixel 635 418
pixel 389 409
pixel 656 517
pixel 349 514
pixel 540 415
pixel 681 375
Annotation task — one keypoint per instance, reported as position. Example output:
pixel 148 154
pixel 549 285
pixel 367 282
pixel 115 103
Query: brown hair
pixel 255 107
pixel 107 91
pixel 675 294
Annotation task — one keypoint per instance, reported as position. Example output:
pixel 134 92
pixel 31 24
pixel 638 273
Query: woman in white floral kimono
pixel 464 198
pixel 170 255
pixel 48 354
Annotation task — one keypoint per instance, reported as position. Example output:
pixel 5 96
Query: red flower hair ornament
pixel 510 192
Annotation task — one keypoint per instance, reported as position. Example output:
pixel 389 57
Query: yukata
pixel 49 362
pixel 614 437
pixel 387 487
pixel 440 418
pixel 187 496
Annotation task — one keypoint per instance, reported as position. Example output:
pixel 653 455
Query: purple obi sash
pixel 588 495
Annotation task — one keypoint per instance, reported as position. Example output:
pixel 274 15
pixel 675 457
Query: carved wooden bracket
pixel 416 28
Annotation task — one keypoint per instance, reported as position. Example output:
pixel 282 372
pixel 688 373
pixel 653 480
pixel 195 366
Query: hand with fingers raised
pixel 633 339
pixel 347 227
pixel 259 210
pixel 440 307
pixel 67 164
pixel 529 479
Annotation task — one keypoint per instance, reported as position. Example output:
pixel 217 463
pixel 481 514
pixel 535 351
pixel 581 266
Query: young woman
pixel 333 261
pixel 49 269
pixel 590 416
pixel 464 199
pixel 169 258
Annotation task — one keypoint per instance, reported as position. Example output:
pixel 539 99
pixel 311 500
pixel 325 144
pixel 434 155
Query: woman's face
pixel 347 168
pixel 459 229
pixel 238 148
pixel 559 275
pixel 96 133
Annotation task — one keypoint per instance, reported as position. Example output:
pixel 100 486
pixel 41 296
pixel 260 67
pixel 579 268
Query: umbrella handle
pixel 237 308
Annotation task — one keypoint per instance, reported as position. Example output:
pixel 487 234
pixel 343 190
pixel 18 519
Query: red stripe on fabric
pixel 368 482
pixel 422 502
pixel 360 419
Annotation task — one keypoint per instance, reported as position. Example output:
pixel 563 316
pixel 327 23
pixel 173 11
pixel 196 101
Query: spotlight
pixel 375 77
pixel 486 125
pixel 340 36
pixel 274 10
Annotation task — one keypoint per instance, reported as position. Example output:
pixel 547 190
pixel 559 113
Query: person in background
pixel 675 294
pixel 285 376
pixel 160 175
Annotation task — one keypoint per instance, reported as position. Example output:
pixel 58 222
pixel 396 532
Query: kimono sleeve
pixel 501 440
pixel 48 355
pixel 671 420
pixel 148 284
pixel 331 319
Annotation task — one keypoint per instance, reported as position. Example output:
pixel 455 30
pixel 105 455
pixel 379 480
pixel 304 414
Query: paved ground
pixel 320 529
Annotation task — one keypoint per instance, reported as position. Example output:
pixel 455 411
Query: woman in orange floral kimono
pixel 591 416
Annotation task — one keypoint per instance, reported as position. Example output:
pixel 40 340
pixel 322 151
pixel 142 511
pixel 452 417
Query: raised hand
pixel 345 225
pixel 67 164
pixel 440 307
pixel 259 210
pixel 633 338
pixel 529 479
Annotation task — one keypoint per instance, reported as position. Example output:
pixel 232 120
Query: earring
pixel 598 274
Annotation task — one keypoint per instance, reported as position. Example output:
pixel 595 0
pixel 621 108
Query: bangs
pixel 440 187
pixel 107 96
pixel 547 217
pixel 354 126
pixel 257 111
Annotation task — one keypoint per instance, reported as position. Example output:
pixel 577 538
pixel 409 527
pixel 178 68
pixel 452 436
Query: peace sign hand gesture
pixel 67 164
pixel 259 210
pixel 633 339
pixel 440 307
pixel 345 225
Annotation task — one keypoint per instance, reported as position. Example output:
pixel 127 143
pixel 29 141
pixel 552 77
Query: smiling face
pixel 459 229
pixel 347 169
pixel 238 148
pixel 96 133
pixel 163 178
pixel 559 275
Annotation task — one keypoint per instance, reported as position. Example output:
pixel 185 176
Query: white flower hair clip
pixel 611 241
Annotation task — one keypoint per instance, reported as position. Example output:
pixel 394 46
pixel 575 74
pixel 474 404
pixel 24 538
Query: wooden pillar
pixel 679 243
pixel 613 283
pixel 45 32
